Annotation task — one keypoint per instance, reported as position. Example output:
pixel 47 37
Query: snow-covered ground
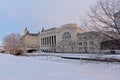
pixel 55 68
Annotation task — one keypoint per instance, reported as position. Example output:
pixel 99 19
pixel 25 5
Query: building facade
pixel 67 38
pixel 30 41
pixel 88 42
pixel 59 39
pixel 47 39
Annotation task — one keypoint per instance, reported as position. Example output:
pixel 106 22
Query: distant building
pixel 67 38
pixel 62 39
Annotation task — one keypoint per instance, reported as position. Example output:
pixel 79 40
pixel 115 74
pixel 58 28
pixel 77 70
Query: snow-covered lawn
pixel 55 68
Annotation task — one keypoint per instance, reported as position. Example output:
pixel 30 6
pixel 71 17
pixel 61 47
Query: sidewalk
pixel 83 56
pixel 95 59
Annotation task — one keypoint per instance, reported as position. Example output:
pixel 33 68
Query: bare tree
pixel 12 44
pixel 101 17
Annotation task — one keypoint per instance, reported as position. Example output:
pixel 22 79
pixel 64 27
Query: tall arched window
pixel 66 35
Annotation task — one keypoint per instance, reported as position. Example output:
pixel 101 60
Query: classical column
pixel 47 41
pixel 55 39
pixel 53 43
pixel 41 42
pixel 50 40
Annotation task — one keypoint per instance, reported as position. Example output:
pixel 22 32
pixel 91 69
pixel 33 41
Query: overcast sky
pixel 15 15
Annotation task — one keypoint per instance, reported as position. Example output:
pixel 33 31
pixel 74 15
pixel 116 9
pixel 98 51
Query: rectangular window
pixel 91 43
pixel 80 48
pixel 91 48
pixel 80 43
pixel 85 37
pixel 90 37
pixel 85 43
pixel 85 48
pixel 80 38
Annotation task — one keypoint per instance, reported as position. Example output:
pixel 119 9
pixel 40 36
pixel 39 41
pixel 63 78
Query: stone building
pixel 67 38
pixel 30 41
pixel 88 42
pixel 59 39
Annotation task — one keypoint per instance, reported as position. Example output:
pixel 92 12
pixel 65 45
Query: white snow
pixel 55 68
